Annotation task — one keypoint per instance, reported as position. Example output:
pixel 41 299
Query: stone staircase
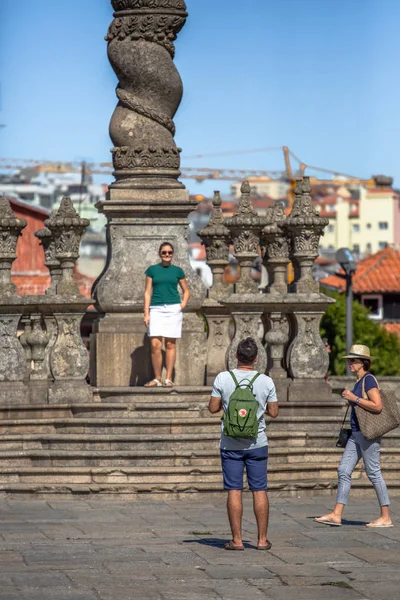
pixel 134 442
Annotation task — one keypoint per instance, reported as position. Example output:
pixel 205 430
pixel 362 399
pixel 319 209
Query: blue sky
pixel 319 76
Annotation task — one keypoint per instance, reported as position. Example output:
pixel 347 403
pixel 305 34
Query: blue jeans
pixel 358 447
pixel 233 463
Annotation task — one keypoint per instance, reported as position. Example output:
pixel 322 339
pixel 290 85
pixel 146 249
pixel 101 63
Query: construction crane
pixel 200 174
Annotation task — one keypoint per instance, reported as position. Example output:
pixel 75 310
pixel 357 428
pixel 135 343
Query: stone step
pixel 160 424
pixel 185 491
pixel 170 406
pixel 210 456
pixel 179 474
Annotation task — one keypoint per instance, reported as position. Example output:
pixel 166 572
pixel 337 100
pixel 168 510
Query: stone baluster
pixel 66 228
pixel 215 238
pixel 146 204
pixel 69 359
pixel 37 339
pixel 52 263
pixel 277 246
pixel 305 227
pixel 245 227
pixel 13 370
pixel 27 325
pixel 307 358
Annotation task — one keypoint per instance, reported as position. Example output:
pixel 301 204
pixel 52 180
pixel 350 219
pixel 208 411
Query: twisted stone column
pixel 146 204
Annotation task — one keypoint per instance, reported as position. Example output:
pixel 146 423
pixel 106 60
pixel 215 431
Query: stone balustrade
pixel 42 356
pixel 284 318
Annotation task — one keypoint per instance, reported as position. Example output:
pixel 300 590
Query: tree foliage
pixel 384 346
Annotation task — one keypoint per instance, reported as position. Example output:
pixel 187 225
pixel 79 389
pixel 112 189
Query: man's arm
pixel 215 404
pixel 272 409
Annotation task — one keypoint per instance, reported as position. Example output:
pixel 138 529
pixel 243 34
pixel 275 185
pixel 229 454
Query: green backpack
pixel 240 418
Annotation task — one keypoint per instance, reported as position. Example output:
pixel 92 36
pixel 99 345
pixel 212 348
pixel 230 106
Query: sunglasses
pixel 352 360
pixel 166 253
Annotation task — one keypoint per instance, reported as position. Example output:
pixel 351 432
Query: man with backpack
pixel 245 395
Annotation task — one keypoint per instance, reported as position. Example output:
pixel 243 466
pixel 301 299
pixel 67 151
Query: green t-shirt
pixel 165 284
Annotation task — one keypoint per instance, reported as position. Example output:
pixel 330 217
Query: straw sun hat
pixel 359 351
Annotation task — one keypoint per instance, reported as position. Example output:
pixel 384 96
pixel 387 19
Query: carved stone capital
pixel 10 229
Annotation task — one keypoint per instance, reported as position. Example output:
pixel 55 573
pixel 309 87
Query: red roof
pixel 392 328
pixel 378 273
pixel 28 271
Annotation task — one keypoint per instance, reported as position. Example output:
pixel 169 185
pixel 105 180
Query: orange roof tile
pixel 378 273
pixel 392 328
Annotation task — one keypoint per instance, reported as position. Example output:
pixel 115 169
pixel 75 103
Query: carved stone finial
pixel 245 227
pixel 149 92
pixel 215 238
pixel 67 228
pixel 305 227
pixel 52 263
pixel 276 244
pixel 10 229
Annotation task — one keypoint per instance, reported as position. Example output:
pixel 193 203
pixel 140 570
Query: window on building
pixel 331 228
pixel 368 225
pixel 383 225
pixel 356 228
pixel 382 245
pixel 356 248
pixel 368 248
pixel 375 305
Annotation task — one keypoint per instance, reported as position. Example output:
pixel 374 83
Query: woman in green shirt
pixel 163 311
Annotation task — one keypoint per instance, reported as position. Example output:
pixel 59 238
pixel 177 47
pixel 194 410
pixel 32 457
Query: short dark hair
pixel 366 364
pixel 247 351
pixel 163 246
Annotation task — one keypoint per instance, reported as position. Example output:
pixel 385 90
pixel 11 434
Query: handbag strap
pixel 345 416
pixel 364 395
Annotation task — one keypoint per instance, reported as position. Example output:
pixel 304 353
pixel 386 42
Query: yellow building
pixel 365 225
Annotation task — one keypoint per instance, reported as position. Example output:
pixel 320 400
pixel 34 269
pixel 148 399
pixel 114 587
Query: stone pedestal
pixel 218 320
pixel 308 360
pixel 121 356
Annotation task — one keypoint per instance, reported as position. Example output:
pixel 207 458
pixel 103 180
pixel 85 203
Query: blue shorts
pixel 233 463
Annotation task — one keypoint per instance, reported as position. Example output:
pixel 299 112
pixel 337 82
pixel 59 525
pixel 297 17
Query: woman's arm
pixel 147 298
pixel 373 404
pixel 186 293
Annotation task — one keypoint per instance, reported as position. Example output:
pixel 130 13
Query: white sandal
pixel 158 383
pixel 169 382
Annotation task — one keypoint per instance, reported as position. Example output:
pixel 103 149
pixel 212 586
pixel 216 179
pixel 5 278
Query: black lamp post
pixel 348 264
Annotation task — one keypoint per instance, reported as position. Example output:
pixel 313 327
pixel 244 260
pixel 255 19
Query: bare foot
pixel 329 519
pixel 381 522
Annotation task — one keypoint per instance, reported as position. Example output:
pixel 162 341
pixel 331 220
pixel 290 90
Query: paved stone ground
pixel 113 550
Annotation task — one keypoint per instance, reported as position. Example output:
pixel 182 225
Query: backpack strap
pixel 254 378
pixel 234 378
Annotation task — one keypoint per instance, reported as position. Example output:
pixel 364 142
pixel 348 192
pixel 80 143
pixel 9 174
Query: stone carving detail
pixel 215 238
pixel 12 355
pixel 276 338
pixel 26 322
pixel 247 325
pixel 130 101
pixel 276 247
pixel 69 358
pixel 38 339
pixel 149 91
pixel 245 227
pixel 51 262
pixel 305 228
pixel 67 228
pixel 150 158
pixel 10 229
pixel 308 357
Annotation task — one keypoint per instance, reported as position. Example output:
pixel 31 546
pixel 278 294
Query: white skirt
pixel 165 321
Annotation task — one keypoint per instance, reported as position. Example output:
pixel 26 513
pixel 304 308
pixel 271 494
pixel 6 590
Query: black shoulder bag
pixel 344 433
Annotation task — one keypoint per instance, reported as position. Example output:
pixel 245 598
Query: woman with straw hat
pixel 359 360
